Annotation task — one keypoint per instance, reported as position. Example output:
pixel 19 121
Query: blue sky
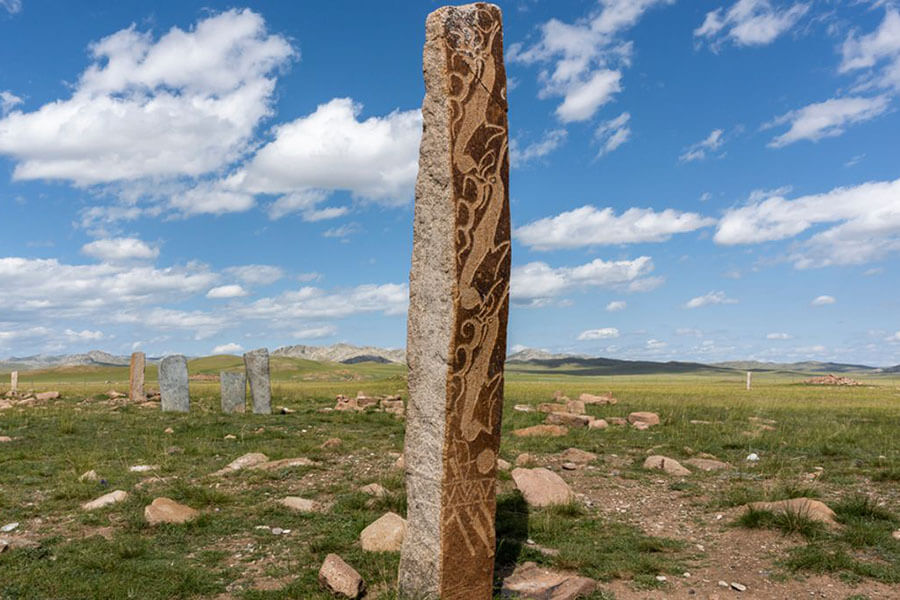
pixel 692 180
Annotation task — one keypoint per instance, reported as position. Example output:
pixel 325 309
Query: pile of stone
pixel 389 404
pixel 564 413
pixel 22 399
pixel 831 380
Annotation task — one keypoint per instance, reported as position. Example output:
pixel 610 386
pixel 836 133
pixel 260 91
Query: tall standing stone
pixel 459 301
pixel 14 382
pixel 257 364
pixel 234 392
pixel 173 384
pixel 136 389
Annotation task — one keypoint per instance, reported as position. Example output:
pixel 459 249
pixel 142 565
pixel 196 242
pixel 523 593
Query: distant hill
pixel 342 353
pixel 94 358
pixel 803 367
pixel 581 365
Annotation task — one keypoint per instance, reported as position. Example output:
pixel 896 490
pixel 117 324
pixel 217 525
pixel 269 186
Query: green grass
pixel 852 433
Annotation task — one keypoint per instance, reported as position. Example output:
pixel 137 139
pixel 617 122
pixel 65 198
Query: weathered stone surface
pixel 14 382
pixel 503 465
pixel 284 463
pixel 459 302
pixel 136 377
pixel 575 407
pixel 542 487
pixel 578 456
pixel 598 424
pixel 89 476
pixel 707 464
pixel 173 384
pixel 166 510
pixel 299 504
pixel 385 534
pixel 814 510
pixel 540 431
pixel 257 364
pixel 234 392
pixel 593 399
pixel 617 421
pixel 105 500
pixel 243 462
pixel 644 417
pixel 549 407
pixel 531 582
pixel 568 419
pixel 664 463
pixel 44 396
pixel 340 578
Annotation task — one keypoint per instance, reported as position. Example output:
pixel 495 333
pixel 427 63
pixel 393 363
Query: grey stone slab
pixel 234 392
pixel 459 302
pixel 173 384
pixel 257 364
pixel 136 388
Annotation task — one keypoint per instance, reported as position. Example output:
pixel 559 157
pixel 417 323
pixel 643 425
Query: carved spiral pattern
pixel 480 175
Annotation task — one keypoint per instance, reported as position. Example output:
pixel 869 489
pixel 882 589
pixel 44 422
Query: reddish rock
pixel 592 399
pixel 340 578
pixel 547 407
pixel 166 510
pixel 384 535
pixel 568 419
pixel 598 424
pixel 531 582
pixel 541 430
pixel 664 463
pixel 644 417
pixel 807 507
pixel 577 456
pixel 542 487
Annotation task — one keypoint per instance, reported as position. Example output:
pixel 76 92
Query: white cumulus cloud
pixel 230 348
pixel 823 300
pixel 226 291
pixel 616 305
pixel 536 282
pixel 604 333
pixel 749 23
pixel 879 52
pixel 590 226
pixel 120 249
pixel 708 299
pixel 827 119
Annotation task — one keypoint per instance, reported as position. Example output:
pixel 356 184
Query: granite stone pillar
pixel 234 392
pixel 459 301
pixel 173 384
pixel 136 389
pixel 256 363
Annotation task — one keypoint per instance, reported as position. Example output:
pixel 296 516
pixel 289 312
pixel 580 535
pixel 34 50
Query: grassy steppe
pixel 852 433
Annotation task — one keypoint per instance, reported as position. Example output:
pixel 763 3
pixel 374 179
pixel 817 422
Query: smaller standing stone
pixel 340 578
pixel 106 500
pixel 14 382
pixel 136 388
pixel 257 365
pixel 173 384
pixel 234 392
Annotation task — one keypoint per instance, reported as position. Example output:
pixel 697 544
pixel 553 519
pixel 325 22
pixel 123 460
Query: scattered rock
pixel 43 396
pixel 524 459
pixel 4 439
pixel 753 457
pixel 541 430
pixel 542 487
pixel 523 408
pixel 617 421
pixel 340 578
pixel 576 407
pixel 568 419
pixel 9 527
pixel 706 464
pixel 545 407
pixel 168 430
pixel 166 510
pixel 531 582
pixel 374 489
pixel 283 463
pixel 285 410
pixel 89 476
pixel 105 500
pixel 664 463
pixel 384 535
pixel 738 586
pixel 331 443
pixel 503 465
pixel 606 398
pixel 641 426
pixel 896 535
pixel 598 424
pixel 807 507
pixel 143 468
pixel 243 462
pixel 400 463
pixel 569 466
pixel 649 418
pixel 699 422
pixel 301 504
pixel 831 380
pixel 230 436
pixel 577 456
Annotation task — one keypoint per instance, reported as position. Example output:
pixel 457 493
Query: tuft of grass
pixel 788 522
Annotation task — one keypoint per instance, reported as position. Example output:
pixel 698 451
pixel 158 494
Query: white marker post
pixel 749 373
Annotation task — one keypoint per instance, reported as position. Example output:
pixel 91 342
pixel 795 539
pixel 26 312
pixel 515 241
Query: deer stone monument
pixel 459 302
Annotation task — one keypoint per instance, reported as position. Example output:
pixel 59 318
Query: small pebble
pixel 9 527
pixel 753 457
pixel 723 584
pixel 569 466
pixel 738 586
pixel 277 530
pixel 661 578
